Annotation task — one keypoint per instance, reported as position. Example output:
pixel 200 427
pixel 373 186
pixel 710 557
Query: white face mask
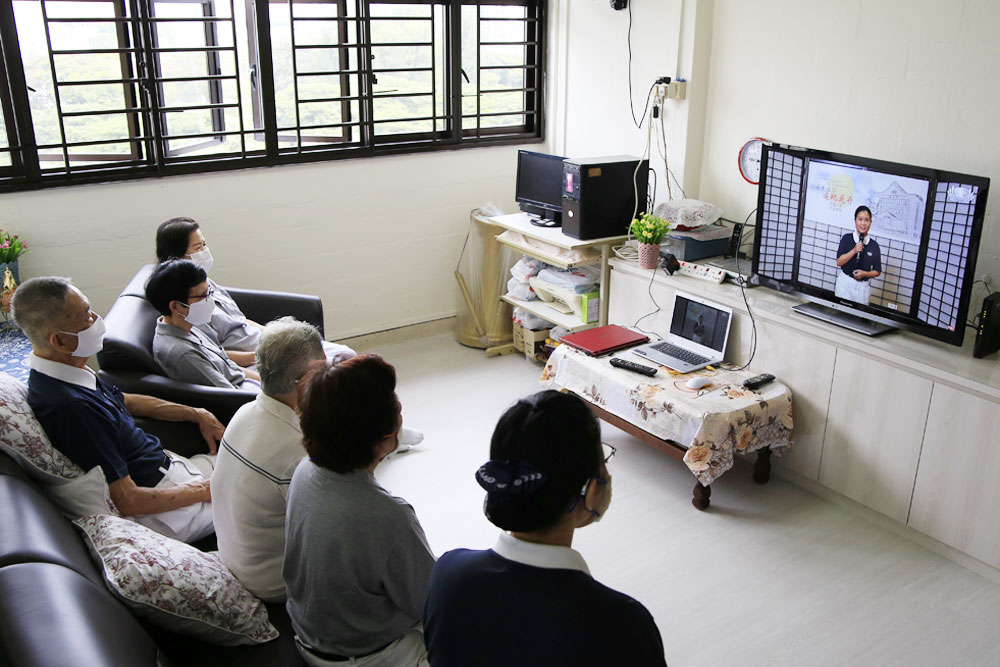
pixel 203 258
pixel 90 341
pixel 201 312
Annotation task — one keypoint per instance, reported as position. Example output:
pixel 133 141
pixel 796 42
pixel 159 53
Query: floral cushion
pixel 174 585
pixel 74 492
pixel 22 437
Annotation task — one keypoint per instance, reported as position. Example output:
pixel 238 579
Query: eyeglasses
pixel 608 451
pixel 200 297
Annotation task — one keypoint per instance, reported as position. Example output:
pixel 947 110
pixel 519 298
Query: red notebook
pixel 602 340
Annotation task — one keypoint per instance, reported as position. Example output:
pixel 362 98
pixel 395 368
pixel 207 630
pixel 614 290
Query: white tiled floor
pixel 770 575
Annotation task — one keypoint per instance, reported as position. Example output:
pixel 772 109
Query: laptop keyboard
pixel 680 353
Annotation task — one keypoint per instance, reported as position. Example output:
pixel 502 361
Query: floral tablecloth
pixel 712 422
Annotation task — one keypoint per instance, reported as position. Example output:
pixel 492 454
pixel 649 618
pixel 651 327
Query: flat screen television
pixel 539 186
pixel 915 263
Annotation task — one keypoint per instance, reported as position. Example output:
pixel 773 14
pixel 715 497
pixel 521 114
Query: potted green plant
pixel 649 231
pixel 11 247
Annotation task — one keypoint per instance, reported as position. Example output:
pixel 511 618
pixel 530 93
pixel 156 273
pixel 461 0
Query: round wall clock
pixel 749 160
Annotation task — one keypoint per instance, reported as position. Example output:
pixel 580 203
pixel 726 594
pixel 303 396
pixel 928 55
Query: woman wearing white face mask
pixel 182 238
pixel 179 290
pixel 530 600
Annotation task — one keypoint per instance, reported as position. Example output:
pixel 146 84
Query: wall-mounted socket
pixel 660 93
pixel 677 89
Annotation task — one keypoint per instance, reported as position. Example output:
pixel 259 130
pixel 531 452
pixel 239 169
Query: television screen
pixel 539 184
pixel 888 242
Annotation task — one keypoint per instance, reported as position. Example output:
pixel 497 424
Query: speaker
pixel 988 331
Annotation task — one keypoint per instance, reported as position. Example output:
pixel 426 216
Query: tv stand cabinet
pixel 901 424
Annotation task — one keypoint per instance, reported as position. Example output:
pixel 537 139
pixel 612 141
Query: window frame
pixel 213 74
pixel 450 127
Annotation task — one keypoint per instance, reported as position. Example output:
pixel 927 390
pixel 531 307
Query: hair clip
pixel 506 479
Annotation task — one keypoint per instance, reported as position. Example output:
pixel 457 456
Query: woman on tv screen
pixel 859 259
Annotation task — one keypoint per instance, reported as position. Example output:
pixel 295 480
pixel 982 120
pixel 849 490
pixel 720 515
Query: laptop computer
pixel 699 331
pixel 601 340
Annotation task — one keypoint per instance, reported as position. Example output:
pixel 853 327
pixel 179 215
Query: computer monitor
pixel 910 261
pixel 539 187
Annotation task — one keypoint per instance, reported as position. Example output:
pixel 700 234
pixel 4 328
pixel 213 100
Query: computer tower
pixel 599 195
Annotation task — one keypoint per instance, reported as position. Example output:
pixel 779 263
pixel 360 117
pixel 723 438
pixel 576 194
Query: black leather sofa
pixel 127 358
pixel 55 610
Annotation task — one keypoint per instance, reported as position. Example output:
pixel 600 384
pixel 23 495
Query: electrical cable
pixel 973 322
pixel 627 251
pixel 753 322
pixel 631 104
pixel 663 154
pixel 649 290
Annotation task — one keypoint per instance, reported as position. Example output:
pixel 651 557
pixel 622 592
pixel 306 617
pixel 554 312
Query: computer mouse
pixel 697 382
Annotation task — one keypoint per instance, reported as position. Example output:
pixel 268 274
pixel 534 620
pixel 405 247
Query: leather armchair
pixel 127 358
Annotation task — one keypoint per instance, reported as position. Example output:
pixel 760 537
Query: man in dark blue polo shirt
pixel 92 422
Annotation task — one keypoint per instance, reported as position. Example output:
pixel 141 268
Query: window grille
pixel 108 89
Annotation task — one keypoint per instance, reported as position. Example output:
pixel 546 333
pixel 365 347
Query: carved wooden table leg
pixel 762 468
pixel 702 495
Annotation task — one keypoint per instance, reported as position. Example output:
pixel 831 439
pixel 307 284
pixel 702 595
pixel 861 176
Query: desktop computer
pixel 599 195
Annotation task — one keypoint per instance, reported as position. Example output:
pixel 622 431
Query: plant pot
pixel 649 255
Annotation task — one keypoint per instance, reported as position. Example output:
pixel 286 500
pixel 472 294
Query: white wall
pixel 911 81
pixel 591 115
pixel 902 80
pixel 377 239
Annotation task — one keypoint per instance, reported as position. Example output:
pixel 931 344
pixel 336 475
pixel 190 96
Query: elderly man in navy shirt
pixel 92 422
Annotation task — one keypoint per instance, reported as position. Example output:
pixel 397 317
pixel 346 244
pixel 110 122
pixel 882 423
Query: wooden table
pixel 704 427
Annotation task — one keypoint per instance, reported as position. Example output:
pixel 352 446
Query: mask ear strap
pixel 54 342
pixel 583 494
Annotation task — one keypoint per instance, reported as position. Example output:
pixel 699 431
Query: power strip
pixel 702 272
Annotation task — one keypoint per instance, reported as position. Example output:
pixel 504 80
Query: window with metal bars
pixel 109 89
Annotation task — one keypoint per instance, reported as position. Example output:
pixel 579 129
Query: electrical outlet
pixel 660 93
pixel 677 89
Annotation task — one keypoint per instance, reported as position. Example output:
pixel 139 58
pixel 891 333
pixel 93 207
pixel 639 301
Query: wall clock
pixel 749 160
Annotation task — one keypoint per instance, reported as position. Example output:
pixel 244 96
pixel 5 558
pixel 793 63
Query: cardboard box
pixel 590 310
pixel 532 343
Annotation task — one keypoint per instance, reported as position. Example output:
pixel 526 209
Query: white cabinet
pixel 874 428
pixel 956 498
pixel 802 363
pixel 902 424
pixel 805 365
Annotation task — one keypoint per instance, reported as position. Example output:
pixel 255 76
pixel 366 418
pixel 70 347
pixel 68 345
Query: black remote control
pixel 758 381
pixel 632 366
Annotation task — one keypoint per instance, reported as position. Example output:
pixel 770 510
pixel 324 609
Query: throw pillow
pixel 82 496
pixel 174 585
pixel 22 438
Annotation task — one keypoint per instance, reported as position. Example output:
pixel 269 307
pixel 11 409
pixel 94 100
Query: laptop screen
pixel 700 323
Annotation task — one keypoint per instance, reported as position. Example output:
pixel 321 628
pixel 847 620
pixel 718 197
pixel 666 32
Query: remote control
pixel 632 366
pixel 758 381
pixel 702 272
